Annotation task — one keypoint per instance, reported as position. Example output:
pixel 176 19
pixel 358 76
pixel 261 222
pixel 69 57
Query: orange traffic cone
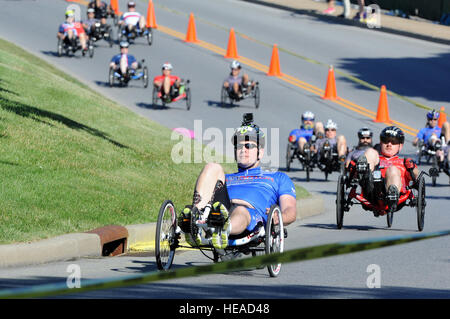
pixel 151 20
pixel 442 117
pixel 115 6
pixel 330 90
pixel 274 68
pixel 191 34
pixel 383 109
pixel 231 49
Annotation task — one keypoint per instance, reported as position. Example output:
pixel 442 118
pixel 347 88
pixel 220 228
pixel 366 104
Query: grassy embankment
pixel 71 160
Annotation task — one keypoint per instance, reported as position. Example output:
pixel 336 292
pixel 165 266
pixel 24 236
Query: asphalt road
pixel 410 67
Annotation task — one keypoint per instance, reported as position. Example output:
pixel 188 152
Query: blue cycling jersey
pixel 425 133
pixel 130 58
pixel 302 132
pixel 259 188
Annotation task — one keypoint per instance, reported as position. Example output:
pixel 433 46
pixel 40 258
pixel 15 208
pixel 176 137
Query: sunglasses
pixel 432 119
pixel 330 129
pixel 365 138
pixel 391 140
pixel 248 146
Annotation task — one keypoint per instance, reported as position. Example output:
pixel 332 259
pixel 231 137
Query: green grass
pixel 71 160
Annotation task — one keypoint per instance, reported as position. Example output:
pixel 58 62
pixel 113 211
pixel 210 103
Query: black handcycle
pixel 70 47
pixel 230 96
pixel 305 157
pixel 141 73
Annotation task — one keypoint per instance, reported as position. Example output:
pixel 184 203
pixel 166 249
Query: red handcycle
pixel 349 193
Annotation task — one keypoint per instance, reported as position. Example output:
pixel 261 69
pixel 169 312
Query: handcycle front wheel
pixel 389 218
pixel 166 238
pixel 274 241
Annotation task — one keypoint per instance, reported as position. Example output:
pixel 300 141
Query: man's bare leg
pixel 239 219
pixel 206 183
pixel 341 145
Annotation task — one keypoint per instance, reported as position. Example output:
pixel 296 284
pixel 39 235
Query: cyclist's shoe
pixel 392 196
pixel 364 176
pixel 184 219
pixel 218 218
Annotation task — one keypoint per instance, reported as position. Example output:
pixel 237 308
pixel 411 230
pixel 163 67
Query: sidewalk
pixel 108 240
pixel 424 30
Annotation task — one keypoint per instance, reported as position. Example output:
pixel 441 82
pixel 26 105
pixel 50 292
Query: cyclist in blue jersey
pixel 434 137
pixel 124 63
pixel 239 201
pixel 305 134
pixel 431 133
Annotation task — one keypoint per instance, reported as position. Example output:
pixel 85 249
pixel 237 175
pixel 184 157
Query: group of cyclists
pixel 238 202
pixel 72 32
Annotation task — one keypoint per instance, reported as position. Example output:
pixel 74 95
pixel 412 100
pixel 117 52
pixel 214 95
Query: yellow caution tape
pixel 295 255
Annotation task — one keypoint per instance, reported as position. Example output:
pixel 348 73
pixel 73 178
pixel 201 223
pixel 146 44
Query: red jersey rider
pixel 167 83
pixel 396 171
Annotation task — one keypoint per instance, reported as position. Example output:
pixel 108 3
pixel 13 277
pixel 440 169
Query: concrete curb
pixel 89 244
pixel 63 247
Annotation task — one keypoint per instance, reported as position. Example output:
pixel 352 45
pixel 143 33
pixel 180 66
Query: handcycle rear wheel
pixel 111 77
pixel 165 239
pixel 421 203
pixel 289 155
pixel 256 94
pixel 340 201
pixel 149 36
pixel 60 47
pixel 90 48
pixel 155 96
pixel 274 241
pixel 145 76
pixel 223 96
pixel 188 98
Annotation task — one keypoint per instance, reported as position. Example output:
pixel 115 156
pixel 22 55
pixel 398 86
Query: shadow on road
pixel 404 75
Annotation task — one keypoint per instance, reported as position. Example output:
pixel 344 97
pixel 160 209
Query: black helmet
pixel 394 133
pixel 249 132
pixel 365 132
